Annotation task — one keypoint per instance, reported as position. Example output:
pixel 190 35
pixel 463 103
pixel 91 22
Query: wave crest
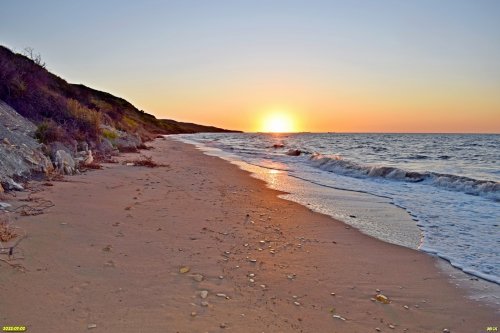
pixel 335 164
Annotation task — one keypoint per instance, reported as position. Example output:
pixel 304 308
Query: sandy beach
pixel 198 245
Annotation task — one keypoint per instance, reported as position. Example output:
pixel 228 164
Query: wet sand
pixel 133 249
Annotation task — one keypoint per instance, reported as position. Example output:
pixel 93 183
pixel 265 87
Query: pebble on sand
pixel 203 294
pixel 198 277
pixel 91 326
pixel 184 269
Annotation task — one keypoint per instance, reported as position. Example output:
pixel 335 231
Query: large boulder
pixel 123 141
pixel 21 156
pixel 64 162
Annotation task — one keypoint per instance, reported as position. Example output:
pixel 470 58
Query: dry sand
pixel 109 254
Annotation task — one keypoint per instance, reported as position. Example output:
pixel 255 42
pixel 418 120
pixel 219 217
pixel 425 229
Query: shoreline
pixel 474 285
pixel 128 230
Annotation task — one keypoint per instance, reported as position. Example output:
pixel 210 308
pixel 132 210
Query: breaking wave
pixel 336 164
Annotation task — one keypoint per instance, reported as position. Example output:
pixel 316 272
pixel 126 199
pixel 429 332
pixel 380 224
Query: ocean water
pixel 439 193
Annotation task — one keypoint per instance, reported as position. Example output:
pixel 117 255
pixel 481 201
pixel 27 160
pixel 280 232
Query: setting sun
pixel 278 123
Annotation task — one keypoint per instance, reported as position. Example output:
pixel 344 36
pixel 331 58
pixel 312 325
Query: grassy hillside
pixel 67 112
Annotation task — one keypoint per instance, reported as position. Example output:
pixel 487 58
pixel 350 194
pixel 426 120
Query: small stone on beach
pixel 90 326
pixel 203 294
pixel 184 269
pixel 198 277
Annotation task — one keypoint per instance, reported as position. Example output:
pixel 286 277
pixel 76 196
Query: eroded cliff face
pixel 21 156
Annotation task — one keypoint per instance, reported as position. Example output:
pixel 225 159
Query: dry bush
pixel 6 231
pixel 146 162
pixel 93 165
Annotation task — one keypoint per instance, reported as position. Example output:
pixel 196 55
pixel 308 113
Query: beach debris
pixel 445 330
pixel 333 294
pixel 221 295
pixel 382 299
pixel 377 329
pixel 198 277
pixel 339 317
pixel 406 307
pixel 221 277
pixel 193 314
pixel 109 263
pixel 91 326
pixel 392 326
pixel 262 242
pixel 204 294
pixel 251 275
pixel 204 303
pixel 296 303
pixel 184 269
pixel 251 280
pixel 253 260
pixel 377 290
pixel 263 286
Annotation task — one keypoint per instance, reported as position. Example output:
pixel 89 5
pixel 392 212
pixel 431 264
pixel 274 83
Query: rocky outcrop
pixel 64 162
pixel 21 156
pixel 120 140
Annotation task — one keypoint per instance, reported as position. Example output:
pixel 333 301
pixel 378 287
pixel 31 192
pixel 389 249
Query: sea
pixel 438 193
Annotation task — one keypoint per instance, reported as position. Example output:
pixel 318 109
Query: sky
pixel 319 66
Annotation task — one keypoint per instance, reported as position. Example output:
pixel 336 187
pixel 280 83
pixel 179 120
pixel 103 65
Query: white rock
pixel 198 277
pixel 203 294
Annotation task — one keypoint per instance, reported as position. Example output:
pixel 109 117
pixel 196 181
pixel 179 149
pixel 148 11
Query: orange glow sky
pixel 342 66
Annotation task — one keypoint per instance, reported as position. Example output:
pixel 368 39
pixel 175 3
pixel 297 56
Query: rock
pixel 293 152
pixel 222 325
pixel 278 145
pixel 184 269
pixel 339 317
pixel 221 295
pixel 296 303
pixel 445 330
pixel 4 205
pixel 392 326
pixel 382 299
pixel 91 326
pixel 377 329
pixel 121 140
pixel 204 294
pixel 21 156
pixel 84 157
pixel 406 307
pixel 198 277
pixel 204 303
pixel 64 163
pixel 251 280
pixel 333 294
pixel 193 314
